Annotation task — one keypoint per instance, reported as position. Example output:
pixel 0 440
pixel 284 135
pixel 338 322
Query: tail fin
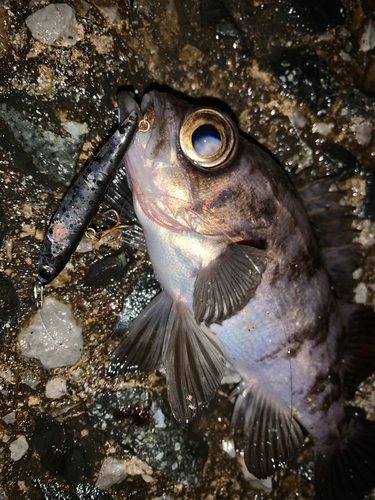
pixel 348 471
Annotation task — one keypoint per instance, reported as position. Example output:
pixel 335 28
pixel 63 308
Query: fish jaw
pixel 159 186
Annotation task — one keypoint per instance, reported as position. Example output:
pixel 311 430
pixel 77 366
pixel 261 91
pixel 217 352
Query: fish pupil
pixel 206 140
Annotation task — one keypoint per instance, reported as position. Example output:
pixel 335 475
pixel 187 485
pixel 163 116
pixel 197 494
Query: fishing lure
pixel 81 203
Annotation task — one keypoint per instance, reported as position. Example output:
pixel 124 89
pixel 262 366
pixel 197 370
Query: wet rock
pixel 215 15
pixel 53 336
pixel 306 75
pixel 89 492
pixel 109 268
pixel 142 421
pixel 141 293
pixel 54 22
pixel 369 203
pixel 112 471
pixel 357 104
pixel 338 161
pixel 3 227
pixel 9 303
pixel 63 450
pixel 18 448
pixel 312 17
pixel 42 151
pixel 55 491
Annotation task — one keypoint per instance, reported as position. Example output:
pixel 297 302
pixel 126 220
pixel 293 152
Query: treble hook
pixel 98 235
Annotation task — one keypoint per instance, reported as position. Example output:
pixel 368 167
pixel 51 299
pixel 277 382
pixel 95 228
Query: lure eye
pixel 208 138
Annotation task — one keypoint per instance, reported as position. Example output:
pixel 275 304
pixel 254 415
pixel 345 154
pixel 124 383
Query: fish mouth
pixel 127 104
pixel 151 113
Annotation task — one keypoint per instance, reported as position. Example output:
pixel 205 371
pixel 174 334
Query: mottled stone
pixel 142 421
pixel 56 21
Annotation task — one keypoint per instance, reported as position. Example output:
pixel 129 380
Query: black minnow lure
pixel 81 203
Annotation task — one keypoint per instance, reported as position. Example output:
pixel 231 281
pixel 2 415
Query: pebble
pixel 10 417
pixel 55 388
pixel 53 337
pixel 189 53
pixel 18 448
pixel 367 41
pixel 54 22
pixel 113 471
pixel 361 293
pixel 322 128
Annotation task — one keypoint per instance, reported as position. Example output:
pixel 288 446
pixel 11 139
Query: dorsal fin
pixel 332 224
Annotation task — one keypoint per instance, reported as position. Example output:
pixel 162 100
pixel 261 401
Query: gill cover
pixel 209 138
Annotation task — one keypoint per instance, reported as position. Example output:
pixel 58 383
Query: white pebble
pixel 228 447
pixel 361 293
pixel 322 128
pixel 363 134
pixel 7 375
pixel 55 388
pixel 297 119
pixel 10 417
pixel 368 38
pixel 18 448
pixel 53 337
pixel 113 471
pixel 55 21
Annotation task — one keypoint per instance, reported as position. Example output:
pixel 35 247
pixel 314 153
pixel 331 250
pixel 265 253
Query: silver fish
pixel 242 280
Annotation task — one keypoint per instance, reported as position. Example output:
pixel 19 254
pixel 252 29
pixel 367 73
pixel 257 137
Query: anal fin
pixel 271 435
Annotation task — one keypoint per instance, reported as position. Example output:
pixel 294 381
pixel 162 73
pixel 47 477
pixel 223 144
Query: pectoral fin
pixel 194 364
pixel 141 350
pixel 227 284
pixel 271 435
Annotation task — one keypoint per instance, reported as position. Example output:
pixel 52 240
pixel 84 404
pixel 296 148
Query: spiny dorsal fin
pixel 194 363
pixel 226 285
pixel 332 224
pixel 271 435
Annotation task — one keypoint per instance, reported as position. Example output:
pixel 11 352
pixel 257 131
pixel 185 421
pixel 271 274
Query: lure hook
pixel 38 294
pixel 145 124
pixel 98 235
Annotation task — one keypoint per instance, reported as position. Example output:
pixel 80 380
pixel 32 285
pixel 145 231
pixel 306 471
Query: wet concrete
pixel 297 81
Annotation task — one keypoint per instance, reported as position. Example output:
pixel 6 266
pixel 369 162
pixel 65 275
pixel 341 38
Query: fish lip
pixel 127 104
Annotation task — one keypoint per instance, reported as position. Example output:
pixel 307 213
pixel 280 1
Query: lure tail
pixel 346 470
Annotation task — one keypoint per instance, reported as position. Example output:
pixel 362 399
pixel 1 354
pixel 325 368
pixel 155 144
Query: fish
pixel 243 280
pixel 81 203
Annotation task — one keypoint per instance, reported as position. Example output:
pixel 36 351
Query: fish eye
pixel 208 138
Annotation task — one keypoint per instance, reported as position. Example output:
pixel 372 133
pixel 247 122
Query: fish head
pixel 191 171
